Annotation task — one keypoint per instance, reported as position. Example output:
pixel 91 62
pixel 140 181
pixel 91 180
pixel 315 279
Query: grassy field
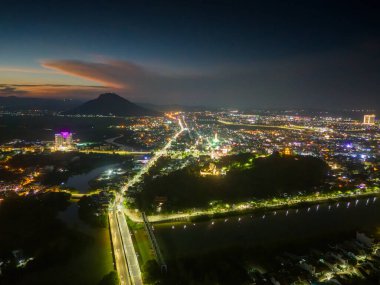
pixel 141 242
pixel 143 246
pixel 88 268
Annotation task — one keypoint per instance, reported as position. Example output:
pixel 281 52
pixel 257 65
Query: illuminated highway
pixel 119 152
pixel 133 216
pixel 127 264
pixel 120 260
pixel 154 159
pixel 130 253
pixel 126 259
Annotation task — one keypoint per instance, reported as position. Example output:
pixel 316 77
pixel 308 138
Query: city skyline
pixel 214 53
pixel 189 142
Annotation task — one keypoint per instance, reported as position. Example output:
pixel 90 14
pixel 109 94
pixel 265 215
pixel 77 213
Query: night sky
pixel 260 54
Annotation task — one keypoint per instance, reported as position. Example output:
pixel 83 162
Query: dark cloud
pixel 50 90
pixel 224 52
pixel 134 80
pixel 6 90
pixel 337 78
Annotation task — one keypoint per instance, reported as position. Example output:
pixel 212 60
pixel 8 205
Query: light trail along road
pixel 120 260
pixel 125 255
pixel 153 160
pixel 129 250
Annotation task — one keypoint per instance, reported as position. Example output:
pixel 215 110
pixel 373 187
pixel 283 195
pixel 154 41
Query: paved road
pixel 130 253
pixel 121 262
pixel 153 160
pixel 120 152
pixel 119 228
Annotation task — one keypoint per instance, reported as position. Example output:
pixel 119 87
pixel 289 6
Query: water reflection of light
pixel 287 212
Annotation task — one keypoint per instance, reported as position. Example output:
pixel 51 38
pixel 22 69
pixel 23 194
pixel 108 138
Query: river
pixel 80 182
pixel 274 228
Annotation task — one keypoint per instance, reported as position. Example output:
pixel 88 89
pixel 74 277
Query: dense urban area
pixel 195 197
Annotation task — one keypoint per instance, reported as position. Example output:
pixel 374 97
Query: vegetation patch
pixel 248 177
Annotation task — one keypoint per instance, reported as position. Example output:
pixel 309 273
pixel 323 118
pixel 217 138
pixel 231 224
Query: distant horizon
pixel 215 53
pixel 140 140
pixel 250 108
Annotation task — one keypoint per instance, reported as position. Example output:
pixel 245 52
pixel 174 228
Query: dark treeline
pixel 223 267
pixel 31 224
pixel 268 177
pixel 59 166
pixel 232 265
pixel 31 128
pixel 110 279
pixel 93 209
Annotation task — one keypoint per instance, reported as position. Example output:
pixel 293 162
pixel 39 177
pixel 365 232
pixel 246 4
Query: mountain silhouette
pixel 111 104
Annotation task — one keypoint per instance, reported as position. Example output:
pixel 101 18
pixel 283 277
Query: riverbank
pixel 87 268
pixel 70 252
pixel 269 230
pixel 80 182
pixel 96 260
pixel 254 207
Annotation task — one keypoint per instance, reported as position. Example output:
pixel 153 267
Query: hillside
pixel 111 104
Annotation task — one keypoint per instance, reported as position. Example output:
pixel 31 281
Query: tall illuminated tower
pixel 63 141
